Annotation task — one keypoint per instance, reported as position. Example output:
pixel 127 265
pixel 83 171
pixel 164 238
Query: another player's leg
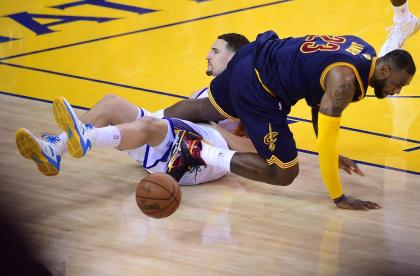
pixel 47 151
pixel 146 130
pixel 405 25
pixel 81 137
pixel 189 152
pixel 113 110
pixel 45 154
pixel 110 110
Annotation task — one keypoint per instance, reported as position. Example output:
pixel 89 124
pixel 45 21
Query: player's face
pixel 218 58
pixel 392 84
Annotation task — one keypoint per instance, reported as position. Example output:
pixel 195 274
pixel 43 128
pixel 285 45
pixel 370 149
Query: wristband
pixel 339 199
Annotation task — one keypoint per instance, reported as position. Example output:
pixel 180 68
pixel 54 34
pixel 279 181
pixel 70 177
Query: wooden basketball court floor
pixel 85 220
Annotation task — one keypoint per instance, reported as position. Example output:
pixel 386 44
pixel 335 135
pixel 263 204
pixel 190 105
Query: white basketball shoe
pixel 45 154
pixel 399 33
pixel 79 135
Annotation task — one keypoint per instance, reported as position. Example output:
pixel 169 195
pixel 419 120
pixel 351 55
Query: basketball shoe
pixel 399 33
pixel 79 135
pixel 45 154
pixel 185 155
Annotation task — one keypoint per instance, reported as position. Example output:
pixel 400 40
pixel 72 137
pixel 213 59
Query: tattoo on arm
pixel 337 100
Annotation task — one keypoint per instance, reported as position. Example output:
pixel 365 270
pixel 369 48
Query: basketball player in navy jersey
pixel 114 110
pixel 265 79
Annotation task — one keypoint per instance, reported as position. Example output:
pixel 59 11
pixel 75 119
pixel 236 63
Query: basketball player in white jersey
pixel 113 110
pixel 146 139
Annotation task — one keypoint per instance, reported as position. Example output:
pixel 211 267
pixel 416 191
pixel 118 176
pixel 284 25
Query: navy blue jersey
pixel 265 78
pixel 295 68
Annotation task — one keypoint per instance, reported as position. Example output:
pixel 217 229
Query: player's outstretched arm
pixel 194 110
pixel 340 88
pixel 351 203
pixel 344 163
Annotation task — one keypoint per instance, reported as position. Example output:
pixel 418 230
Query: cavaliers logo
pixel 270 138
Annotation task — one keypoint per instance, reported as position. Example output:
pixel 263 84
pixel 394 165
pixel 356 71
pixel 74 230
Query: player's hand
pixel 349 166
pixel 351 203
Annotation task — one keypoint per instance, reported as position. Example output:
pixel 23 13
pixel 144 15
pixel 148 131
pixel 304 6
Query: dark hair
pixel 234 41
pixel 402 60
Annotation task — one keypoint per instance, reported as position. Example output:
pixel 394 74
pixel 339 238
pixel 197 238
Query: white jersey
pixel 155 159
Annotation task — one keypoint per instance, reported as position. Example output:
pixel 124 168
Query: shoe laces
pixel 195 162
pixel 194 169
pixel 52 139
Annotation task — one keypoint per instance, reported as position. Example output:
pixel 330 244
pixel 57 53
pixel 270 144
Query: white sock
pixel 158 114
pixel 109 136
pixel 401 13
pixel 142 112
pixel 217 157
pixel 63 142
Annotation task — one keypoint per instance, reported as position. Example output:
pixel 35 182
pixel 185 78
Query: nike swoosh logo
pixel 52 151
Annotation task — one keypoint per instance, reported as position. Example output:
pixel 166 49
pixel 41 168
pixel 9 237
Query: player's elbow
pixel 282 177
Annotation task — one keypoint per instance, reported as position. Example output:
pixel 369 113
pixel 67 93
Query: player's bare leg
pixel 81 137
pixel 146 130
pixel 255 167
pixel 249 165
pixel 111 110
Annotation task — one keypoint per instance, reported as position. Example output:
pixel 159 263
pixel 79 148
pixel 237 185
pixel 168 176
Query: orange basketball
pixel 158 195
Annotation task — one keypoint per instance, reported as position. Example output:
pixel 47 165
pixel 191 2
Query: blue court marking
pixel 160 92
pixel 300 150
pixel 368 163
pixel 95 80
pixel 396 97
pixel 183 97
pixel 38 99
pixel 149 29
pixel 363 131
pixel 412 149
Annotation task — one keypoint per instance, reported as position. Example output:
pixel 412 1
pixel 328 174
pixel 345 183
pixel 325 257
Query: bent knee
pixel 283 177
pixel 150 124
pixel 110 99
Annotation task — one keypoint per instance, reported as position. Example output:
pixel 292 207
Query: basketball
pixel 158 195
